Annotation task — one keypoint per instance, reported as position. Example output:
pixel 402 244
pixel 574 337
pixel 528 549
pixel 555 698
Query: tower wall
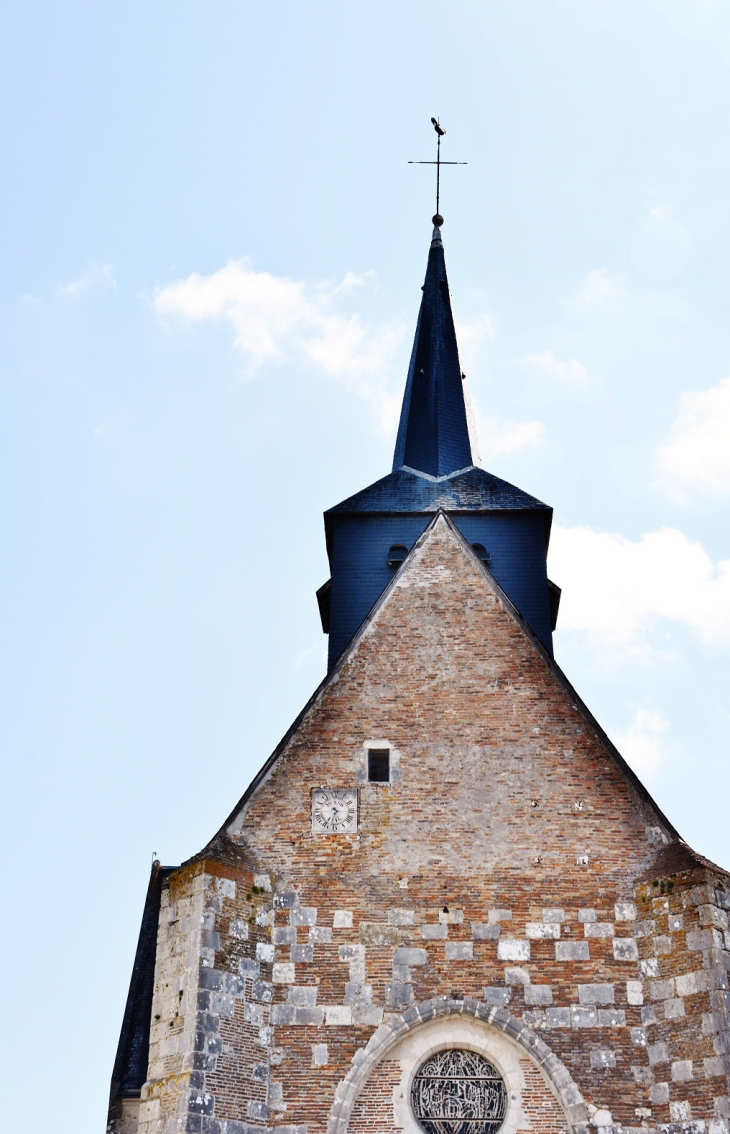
pixel 360 571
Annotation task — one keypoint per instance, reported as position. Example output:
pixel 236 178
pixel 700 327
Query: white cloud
pixel 569 370
pixel 616 590
pixel 95 276
pixel 505 438
pixel 276 319
pixel 644 744
pixel 696 454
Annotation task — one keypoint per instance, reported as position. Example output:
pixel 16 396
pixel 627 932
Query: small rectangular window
pixel 379 765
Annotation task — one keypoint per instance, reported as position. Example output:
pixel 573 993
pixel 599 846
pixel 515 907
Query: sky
pixel 212 252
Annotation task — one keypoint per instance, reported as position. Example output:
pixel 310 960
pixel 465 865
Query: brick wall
pixel 514 868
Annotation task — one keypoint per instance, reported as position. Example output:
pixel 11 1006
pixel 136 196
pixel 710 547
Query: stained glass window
pixel 459 1092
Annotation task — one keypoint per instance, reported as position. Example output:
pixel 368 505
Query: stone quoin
pixel 445 854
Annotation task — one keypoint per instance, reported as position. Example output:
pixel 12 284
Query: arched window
pixel 397 554
pixel 482 553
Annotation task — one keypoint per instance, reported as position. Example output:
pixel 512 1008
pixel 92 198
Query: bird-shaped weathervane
pixel 438 220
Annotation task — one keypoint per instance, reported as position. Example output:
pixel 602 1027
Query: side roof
pixel 562 681
pixel 130 1065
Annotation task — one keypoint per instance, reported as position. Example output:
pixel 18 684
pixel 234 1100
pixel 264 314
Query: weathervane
pixel 438 220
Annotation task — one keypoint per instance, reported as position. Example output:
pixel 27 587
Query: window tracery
pixel 458 1092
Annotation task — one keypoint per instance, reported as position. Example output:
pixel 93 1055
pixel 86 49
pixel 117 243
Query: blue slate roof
pixel 433 435
pixel 471 489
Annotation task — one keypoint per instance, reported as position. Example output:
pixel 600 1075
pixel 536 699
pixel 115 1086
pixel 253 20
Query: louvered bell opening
pixel 397 554
pixel 482 553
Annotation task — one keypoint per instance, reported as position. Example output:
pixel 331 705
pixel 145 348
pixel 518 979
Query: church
pixel 445 904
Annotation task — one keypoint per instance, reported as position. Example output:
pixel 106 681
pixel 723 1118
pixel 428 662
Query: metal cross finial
pixel 438 220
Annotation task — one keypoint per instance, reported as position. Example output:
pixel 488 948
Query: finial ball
pixel 438 220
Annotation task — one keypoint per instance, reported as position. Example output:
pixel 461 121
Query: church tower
pixel 436 466
pixel 445 904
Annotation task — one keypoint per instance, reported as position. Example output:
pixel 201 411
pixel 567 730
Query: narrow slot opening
pixel 379 765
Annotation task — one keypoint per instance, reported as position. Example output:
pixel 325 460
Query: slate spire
pixel 435 435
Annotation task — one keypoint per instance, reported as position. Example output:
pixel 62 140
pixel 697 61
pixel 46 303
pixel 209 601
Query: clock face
pixel 334 812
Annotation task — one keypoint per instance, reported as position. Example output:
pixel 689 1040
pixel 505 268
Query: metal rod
pixel 438 170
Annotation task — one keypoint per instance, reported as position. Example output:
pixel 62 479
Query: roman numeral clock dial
pixel 334 811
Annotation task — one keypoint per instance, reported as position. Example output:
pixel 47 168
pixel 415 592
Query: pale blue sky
pixel 213 247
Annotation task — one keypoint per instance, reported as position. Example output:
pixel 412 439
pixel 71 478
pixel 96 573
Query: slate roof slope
pixel 333 676
pixel 470 489
pixel 434 434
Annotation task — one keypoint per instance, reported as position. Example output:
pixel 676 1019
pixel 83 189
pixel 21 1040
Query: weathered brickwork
pixel 514 887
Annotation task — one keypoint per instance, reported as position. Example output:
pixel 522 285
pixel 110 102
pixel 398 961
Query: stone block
pixel 611 1018
pixel 682 1070
pixel 538 994
pixel 542 931
pixel 516 976
pixel 625 911
pixel 659 1093
pixel 602 1059
pixel 513 949
pixel 638 1036
pixel 320 935
pixel 283 973
pixel 401 917
pixel 557 1018
pixel 451 917
pixel 551 916
pixel 351 952
pixel 282 1013
pixel 657 1053
pixel 309 1016
pixel 303 995
pixel 342 920
pixel 320 1056
pixel 673 1009
pixel 596 993
pixel 497 997
pixel 572 951
pixel 712 916
pixel 338 1016
pixel 372 933
pixel 662 945
pixel 680 1111
pixel 303 916
pixel 583 1017
pixel 458 950
pixel 499 916
pixel 286 900
pixel 634 992
pixel 284 935
pixel 407 956
pixel 625 949
pixel 264 952
pixel 434 932
pixel 661 989
pixel 599 929
pixel 649 967
pixel 398 995
pixel 302 954
pixel 481 932
pixel 587 915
